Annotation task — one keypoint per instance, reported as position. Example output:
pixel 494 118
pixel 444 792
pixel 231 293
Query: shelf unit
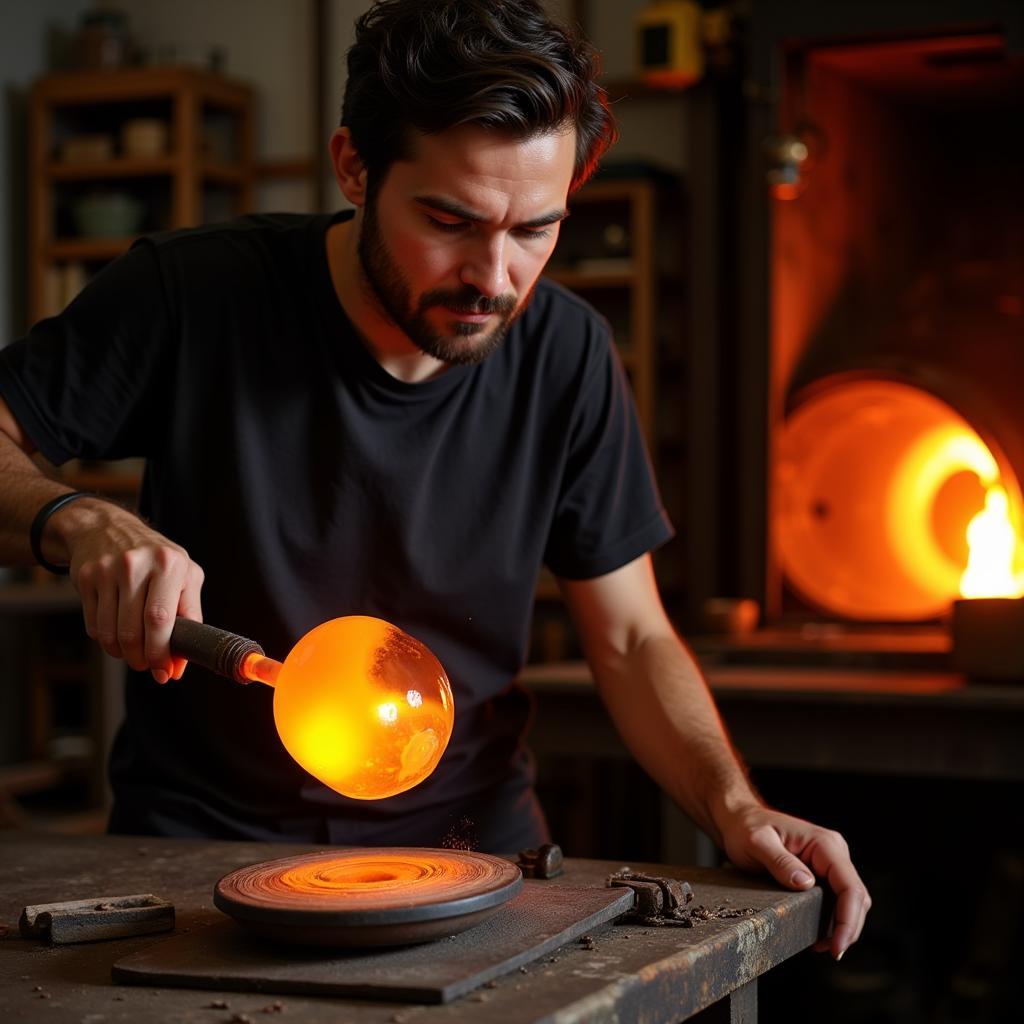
pixel 619 251
pixel 207 156
pixel 606 254
pixel 209 146
pixel 200 168
pixel 61 717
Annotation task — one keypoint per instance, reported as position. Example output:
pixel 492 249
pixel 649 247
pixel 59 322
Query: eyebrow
pixel 454 209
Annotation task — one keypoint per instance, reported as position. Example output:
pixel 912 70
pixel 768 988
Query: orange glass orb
pixel 363 707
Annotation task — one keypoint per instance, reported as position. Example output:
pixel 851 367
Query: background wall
pixel 25 27
pixel 270 44
pixel 652 129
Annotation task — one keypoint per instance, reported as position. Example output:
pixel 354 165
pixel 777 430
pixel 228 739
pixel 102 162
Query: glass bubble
pixel 364 707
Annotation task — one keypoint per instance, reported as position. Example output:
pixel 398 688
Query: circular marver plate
pixel 367 897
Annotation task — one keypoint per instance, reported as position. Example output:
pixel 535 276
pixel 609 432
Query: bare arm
pixel 132 581
pixel 661 705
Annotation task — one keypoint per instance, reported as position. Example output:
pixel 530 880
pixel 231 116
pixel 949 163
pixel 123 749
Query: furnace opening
pixel 877 485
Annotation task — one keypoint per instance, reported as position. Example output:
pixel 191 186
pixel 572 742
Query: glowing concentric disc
pixel 367 896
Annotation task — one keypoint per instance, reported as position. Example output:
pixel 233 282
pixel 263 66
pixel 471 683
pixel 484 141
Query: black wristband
pixel 35 534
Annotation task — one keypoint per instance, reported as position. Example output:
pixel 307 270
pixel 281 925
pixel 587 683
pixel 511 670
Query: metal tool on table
pixel 92 920
pixel 360 704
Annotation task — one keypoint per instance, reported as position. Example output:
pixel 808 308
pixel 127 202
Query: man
pixel 384 414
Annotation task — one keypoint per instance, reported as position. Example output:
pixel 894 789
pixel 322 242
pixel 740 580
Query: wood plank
pixel 55 595
pixel 117 167
pixel 284 170
pixel 129 84
pixel 29 776
pixel 580 280
pixel 88 249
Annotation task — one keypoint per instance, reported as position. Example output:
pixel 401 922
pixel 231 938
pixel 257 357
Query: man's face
pixel 455 238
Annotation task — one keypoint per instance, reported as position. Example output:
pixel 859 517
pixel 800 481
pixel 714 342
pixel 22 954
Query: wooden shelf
pixel 56 595
pixel 67 104
pixel 209 125
pixel 129 85
pixel 136 167
pixel 611 190
pixel 635 279
pixel 88 249
pixel 284 170
pixel 636 88
pixel 119 167
pixel 224 174
pixel 627 277
pixel 29 777
pixel 584 280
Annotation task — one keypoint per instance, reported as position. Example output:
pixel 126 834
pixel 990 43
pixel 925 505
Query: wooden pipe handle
pixel 215 649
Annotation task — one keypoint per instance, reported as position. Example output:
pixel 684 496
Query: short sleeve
pixel 93 381
pixel 609 511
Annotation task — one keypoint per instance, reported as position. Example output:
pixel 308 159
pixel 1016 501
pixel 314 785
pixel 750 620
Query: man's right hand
pixel 133 582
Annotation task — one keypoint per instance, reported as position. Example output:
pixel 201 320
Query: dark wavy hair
pixel 430 65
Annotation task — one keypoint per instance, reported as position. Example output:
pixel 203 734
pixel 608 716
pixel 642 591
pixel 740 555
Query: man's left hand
pixel 756 838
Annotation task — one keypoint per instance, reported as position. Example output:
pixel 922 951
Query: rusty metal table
pixel 631 973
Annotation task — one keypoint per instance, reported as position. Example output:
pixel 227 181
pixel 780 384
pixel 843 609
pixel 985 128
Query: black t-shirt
pixel 309 483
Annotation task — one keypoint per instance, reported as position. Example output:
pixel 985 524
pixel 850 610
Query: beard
pixel 467 343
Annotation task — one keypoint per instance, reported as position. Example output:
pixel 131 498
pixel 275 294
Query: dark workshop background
pixel 813 257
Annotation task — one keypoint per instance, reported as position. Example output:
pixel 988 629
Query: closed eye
pixel 442 225
pixel 454 227
pixel 533 232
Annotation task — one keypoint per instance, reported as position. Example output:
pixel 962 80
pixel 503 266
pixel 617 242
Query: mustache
pixel 468 300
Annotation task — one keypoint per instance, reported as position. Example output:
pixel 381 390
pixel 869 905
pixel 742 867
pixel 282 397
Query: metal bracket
pixel 664 901
pixel 659 901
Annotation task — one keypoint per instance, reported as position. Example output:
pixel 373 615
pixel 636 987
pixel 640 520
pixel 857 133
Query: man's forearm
pixel 24 489
pixel 662 707
pixel 657 696
pixel 133 581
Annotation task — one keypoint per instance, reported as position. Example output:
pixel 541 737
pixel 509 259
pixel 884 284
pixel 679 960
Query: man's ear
pixel 349 170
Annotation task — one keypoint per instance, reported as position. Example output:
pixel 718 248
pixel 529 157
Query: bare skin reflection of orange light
pixel 993 545
pixel 362 706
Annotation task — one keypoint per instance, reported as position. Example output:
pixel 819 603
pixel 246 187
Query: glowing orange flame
pixel 362 706
pixel 993 547
pixel 876 483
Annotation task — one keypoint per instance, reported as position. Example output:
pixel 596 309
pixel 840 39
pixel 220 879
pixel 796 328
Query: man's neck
pixel 385 341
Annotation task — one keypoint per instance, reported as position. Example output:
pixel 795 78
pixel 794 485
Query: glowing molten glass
pixel 993 548
pixel 361 705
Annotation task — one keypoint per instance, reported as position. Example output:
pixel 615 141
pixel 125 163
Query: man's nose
pixel 486 268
